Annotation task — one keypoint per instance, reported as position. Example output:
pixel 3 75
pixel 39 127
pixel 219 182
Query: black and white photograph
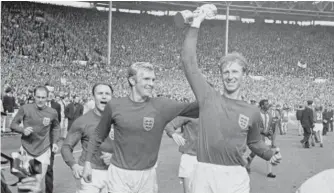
pixel 167 96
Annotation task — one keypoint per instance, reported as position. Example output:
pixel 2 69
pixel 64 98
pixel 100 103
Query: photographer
pixel 28 184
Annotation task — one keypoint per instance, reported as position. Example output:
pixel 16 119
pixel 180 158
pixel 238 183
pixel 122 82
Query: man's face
pixel 102 95
pixel 57 98
pixel 76 99
pixel 145 82
pixel 232 75
pixel 265 106
pixel 41 97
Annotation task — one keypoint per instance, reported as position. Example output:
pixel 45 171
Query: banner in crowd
pixel 257 77
pixel 80 62
pixel 320 80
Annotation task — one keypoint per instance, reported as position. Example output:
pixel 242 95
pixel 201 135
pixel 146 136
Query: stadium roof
pixel 276 10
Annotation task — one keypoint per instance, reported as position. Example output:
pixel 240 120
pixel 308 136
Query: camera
pixel 22 166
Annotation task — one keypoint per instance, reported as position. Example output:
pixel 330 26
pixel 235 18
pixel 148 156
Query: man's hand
pixel 276 158
pixel 198 18
pixel 55 148
pixel 29 184
pixel 77 171
pixel 27 131
pixel 106 157
pixel 179 140
pixel 87 172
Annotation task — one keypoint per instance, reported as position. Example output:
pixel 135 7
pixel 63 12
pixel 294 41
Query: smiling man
pixel 139 121
pixel 82 130
pixel 226 123
pixel 40 129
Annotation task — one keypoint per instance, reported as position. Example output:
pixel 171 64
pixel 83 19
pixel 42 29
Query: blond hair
pixel 135 67
pixel 233 57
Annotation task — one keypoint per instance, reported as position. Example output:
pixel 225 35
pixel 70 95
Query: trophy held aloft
pixel 185 17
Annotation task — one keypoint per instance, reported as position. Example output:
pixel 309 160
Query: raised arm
pixel 73 137
pixel 195 78
pixel 101 133
pixel 15 125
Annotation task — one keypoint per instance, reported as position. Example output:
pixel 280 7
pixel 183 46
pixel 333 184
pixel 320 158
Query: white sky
pixel 220 17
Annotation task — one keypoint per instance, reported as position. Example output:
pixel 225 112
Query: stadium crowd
pixel 66 47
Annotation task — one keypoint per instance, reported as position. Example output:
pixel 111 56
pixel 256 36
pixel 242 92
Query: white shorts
pixel 220 179
pixel 99 183
pixel 44 158
pixel 129 181
pixel 318 127
pixel 187 165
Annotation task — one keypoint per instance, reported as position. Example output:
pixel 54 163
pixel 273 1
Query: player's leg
pixel 300 129
pixel 98 184
pixel 270 170
pixel 146 181
pixel 285 127
pixel 200 181
pixel 3 123
pixel 119 180
pixel 270 174
pixel 45 159
pixel 325 128
pixel 313 138
pixel 128 181
pixel 186 170
pixel 320 130
pixel 280 125
pixel 49 175
pixel 331 125
pixel 236 179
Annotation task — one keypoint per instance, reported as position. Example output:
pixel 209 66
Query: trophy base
pixel 179 20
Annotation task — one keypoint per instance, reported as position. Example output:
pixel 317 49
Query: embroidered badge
pixel 243 121
pixel 148 123
pixel 46 121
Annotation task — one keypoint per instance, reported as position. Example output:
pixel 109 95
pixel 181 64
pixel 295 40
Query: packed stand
pixel 45 43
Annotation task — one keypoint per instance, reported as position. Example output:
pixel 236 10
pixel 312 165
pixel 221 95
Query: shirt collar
pixel 40 108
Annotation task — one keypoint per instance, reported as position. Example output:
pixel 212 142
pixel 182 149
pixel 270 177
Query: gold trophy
pixel 186 16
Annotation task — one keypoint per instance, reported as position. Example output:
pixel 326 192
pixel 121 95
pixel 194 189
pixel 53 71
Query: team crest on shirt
pixel 46 121
pixel 148 123
pixel 243 121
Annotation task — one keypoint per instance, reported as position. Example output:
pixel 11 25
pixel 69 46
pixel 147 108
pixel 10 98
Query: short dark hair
pixel 97 84
pixel 41 88
pixel 309 102
pixel 261 103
